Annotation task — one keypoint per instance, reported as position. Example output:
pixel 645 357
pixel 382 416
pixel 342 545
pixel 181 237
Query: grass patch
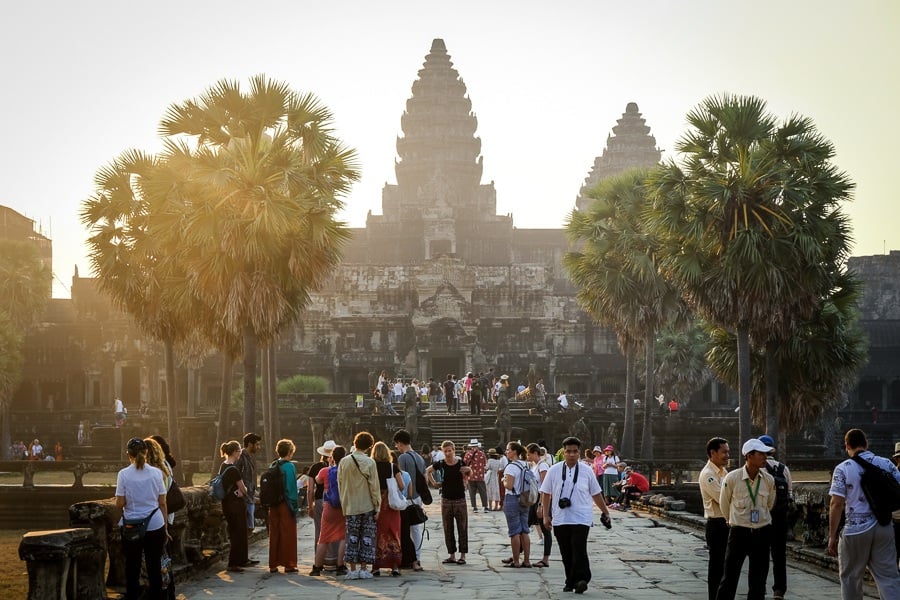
pixel 13 572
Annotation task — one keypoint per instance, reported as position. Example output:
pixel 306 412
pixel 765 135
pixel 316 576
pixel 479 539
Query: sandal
pixel 525 566
pixel 511 565
pixel 449 561
pixel 461 561
pixel 506 561
pixel 418 567
pixel 540 564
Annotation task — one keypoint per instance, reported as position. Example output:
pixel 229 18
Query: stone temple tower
pixel 629 146
pixel 439 207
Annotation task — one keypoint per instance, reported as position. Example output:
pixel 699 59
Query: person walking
pixel 360 500
pixel 245 464
pixel 571 491
pixel 516 514
pixel 746 500
pixel 784 494
pixel 282 517
pixel 141 494
pixel 453 501
pixel 477 461
pixel 234 506
pixel 711 477
pixel 864 542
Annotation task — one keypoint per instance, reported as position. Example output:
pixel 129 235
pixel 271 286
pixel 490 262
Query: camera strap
pixel 574 480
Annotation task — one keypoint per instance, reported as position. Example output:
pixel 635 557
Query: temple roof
pixel 629 146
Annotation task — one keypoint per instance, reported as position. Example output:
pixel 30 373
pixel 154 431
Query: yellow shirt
pixel 711 488
pixel 736 502
pixel 358 487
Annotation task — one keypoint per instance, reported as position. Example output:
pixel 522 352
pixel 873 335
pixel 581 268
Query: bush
pixel 303 384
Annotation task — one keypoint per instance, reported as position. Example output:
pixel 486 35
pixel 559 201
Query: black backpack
pixel 782 498
pixel 271 485
pixel 880 488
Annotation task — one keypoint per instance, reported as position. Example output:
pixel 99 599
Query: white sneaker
pixel 352 575
pixel 365 574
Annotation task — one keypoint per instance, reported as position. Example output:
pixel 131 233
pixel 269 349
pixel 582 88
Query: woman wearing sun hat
pixel 610 473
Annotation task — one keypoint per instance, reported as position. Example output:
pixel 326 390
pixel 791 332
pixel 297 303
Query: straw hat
pixel 327 448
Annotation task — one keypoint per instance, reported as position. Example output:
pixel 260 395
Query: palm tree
pixel 616 272
pixel 681 360
pixel 747 219
pixel 259 233
pixel 24 291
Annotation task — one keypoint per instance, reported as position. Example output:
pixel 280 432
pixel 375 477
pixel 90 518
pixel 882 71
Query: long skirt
pixel 388 552
pixel 334 525
pixel 493 489
pixel 282 537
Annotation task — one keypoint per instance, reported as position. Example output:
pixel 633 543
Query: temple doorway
pixel 441 365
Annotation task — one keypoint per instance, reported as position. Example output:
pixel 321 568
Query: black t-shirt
pixel 229 481
pixel 453 487
pixel 385 470
pixel 312 472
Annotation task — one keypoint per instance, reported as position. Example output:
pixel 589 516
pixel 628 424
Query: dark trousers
pixel 778 544
pixel 572 542
pixel 716 542
pixel 474 403
pixel 744 542
pixel 478 487
pixel 548 538
pixel 407 548
pixel 235 512
pixel 151 547
pixel 455 512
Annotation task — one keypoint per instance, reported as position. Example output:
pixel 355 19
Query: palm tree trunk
pixel 249 379
pixel 744 383
pixel 268 442
pixel 772 391
pixel 224 406
pixel 273 392
pixel 649 358
pixel 627 449
pixel 171 400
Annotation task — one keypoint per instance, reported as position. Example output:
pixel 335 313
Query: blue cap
pixel 767 440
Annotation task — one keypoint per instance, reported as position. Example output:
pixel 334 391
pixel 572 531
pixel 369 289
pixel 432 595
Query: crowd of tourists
pixel 746 518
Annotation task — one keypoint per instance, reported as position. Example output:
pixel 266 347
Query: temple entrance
pixel 441 365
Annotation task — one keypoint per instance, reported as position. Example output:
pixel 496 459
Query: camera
pixel 606 522
pixel 565 502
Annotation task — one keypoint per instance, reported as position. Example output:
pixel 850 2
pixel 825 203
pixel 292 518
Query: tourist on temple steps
pixel 334 525
pixel 711 478
pixel 361 501
pixel 864 541
pixel 141 493
pixel 234 506
pixel 476 394
pixel 245 464
pixel 778 543
pixel 746 499
pixel 119 412
pixel 282 517
pixel 388 551
pixel 450 394
pixel 453 501
pixel 504 418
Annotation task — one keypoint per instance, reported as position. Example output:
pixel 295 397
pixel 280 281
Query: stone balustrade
pixel 79 468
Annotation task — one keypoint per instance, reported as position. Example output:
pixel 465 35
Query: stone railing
pixel 79 468
pixel 74 558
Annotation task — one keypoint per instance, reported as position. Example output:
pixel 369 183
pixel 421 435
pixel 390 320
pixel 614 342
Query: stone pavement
pixel 641 558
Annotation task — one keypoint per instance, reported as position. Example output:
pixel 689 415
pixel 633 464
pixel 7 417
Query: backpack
pixel 781 485
pixel 530 487
pixel 331 495
pixel 217 489
pixel 271 485
pixel 880 488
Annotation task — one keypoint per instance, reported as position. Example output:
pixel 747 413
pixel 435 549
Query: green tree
pixel 618 281
pixel 750 222
pixel 24 291
pixel 681 367
pixel 259 233
pixel 303 384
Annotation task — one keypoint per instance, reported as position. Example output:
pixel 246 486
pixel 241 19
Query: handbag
pixel 174 498
pixel 415 514
pixel 396 499
pixel 133 530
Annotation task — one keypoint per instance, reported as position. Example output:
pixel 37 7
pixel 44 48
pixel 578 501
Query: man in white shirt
pixel 746 500
pixel 571 491
pixel 119 410
pixel 864 541
pixel 711 478
pixel 563 400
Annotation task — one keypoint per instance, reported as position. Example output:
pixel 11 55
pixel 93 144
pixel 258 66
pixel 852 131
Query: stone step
pixel 458 428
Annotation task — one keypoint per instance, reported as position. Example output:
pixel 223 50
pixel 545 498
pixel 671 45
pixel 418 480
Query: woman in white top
pixel 610 473
pixel 516 515
pixel 141 493
pixel 492 479
pixel 536 456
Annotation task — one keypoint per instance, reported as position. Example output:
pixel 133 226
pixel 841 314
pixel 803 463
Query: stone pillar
pixel 65 563
pixel 191 392
pixel 317 429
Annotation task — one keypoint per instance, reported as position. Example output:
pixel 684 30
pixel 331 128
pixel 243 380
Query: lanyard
pixel 753 495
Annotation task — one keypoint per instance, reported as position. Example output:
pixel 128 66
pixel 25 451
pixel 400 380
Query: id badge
pixel 754 516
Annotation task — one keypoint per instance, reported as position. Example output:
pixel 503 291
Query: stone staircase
pixel 458 428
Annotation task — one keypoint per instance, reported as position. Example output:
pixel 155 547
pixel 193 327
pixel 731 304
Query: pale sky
pixel 87 80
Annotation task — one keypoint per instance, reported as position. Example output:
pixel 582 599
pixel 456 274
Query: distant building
pixel 17 227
